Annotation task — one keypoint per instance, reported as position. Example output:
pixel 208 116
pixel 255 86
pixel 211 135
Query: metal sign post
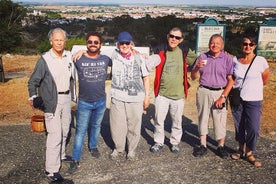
pixel 2 76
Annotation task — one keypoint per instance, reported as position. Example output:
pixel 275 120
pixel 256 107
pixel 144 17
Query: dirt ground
pixel 14 107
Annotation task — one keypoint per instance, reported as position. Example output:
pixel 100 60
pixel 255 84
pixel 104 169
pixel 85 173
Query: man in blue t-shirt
pixel 92 73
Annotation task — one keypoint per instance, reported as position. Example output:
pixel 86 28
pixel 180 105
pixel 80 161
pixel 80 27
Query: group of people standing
pixel 55 75
pixel 218 73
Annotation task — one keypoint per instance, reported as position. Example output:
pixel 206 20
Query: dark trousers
pixel 247 122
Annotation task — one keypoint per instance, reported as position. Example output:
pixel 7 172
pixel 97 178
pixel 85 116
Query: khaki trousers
pixel 163 105
pixel 57 126
pixel 205 99
pixel 125 124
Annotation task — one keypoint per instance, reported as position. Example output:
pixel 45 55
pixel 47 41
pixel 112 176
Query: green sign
pixel 205 31
pixel 267 39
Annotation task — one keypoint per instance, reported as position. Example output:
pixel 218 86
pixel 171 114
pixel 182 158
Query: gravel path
pixel 23 153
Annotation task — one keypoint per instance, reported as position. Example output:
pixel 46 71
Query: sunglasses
pixel 246 44
pixel 123 43
pixel 176 37
pixel 96 42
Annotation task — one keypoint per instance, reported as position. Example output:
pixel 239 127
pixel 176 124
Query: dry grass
pixel 14 107
pixel 268 125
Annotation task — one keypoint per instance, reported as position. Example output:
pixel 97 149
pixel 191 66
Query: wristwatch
pixel 223 96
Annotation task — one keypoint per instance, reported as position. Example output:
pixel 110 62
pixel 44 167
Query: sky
pixel 262 3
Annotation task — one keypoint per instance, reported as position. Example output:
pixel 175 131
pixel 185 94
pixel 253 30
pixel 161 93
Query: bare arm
pixel 78 55
pixel 228 87
pixel 265 76
pixel 195 72
pixel 146 81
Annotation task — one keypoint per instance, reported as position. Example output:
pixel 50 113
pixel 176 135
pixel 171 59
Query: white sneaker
pixel 115 154
pixel 156 148
pixel 175 149
pixel 131 156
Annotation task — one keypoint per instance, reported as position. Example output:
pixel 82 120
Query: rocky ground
pixel 23 154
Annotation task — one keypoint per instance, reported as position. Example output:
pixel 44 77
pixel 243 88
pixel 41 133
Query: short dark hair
pixel 94 34
pixel 176 29
pixel 251 38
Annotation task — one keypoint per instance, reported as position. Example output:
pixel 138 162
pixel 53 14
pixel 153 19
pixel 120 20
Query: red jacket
pixel 161 50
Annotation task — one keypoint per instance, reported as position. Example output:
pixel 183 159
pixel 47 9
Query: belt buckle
pixel 64 92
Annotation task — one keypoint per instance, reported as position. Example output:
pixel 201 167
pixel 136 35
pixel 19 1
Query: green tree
pixel 11 15
pixel 74 41
pixel 52 15
pixel 45 44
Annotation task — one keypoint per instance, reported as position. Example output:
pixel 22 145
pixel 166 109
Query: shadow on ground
pixel 23 154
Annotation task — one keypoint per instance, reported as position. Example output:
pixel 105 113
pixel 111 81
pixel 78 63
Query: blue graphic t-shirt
pixel 92 74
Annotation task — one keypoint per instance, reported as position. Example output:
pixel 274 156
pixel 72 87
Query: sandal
pixel 251 159
pixel 238 155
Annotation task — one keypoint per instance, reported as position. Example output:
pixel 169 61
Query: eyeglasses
pixel 246 44
pixel 96 42
pixel 176 37
pixel 122 43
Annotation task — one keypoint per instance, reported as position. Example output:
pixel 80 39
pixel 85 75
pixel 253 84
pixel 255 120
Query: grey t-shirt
pixel 127 83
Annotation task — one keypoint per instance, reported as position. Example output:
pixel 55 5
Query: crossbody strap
pixel 247 71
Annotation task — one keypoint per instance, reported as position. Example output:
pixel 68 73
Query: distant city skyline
pixel 257 3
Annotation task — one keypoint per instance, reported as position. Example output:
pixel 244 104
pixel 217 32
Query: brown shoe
pixel 238 155
pixel 252 160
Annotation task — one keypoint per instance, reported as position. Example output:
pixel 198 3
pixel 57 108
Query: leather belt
pixel 64 92
pixel 211 88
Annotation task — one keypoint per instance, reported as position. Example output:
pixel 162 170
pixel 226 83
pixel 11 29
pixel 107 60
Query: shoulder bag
pixel 234 95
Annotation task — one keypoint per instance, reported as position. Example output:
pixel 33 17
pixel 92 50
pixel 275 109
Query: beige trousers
pixel 57 126
pixel 205 99
pixel 163 105
pixel 125 124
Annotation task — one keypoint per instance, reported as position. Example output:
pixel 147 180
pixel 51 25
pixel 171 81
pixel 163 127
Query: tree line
pixel 31 37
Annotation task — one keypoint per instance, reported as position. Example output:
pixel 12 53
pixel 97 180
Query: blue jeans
pixel 89 118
